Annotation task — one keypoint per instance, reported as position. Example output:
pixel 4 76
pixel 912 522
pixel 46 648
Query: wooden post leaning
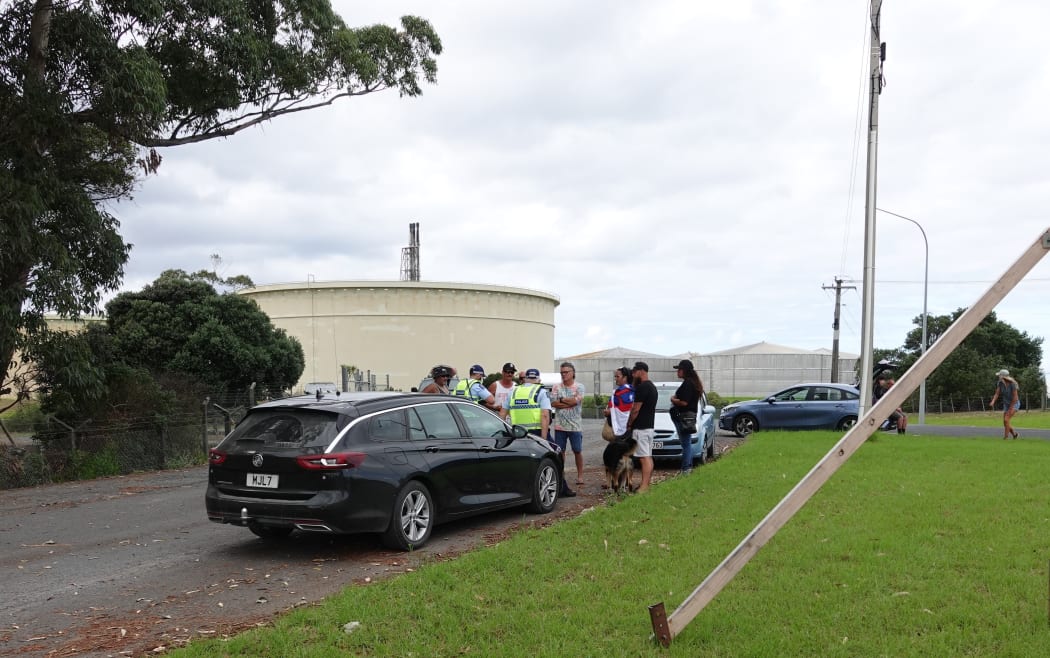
pixel 665 628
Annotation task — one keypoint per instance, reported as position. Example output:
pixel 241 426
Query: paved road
pixel 124 565
pixel 973 432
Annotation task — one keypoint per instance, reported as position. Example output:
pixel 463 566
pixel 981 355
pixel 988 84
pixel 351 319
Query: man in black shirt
pixel 642 419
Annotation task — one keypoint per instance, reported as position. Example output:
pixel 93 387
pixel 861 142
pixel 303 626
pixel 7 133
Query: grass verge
pixel 919 546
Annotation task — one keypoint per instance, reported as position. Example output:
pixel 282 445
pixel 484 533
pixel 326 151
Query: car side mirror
pixel 771 399
pixel 518 432
pixel 709 409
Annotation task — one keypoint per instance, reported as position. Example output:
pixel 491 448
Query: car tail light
pixel 332 461
pixel 216 456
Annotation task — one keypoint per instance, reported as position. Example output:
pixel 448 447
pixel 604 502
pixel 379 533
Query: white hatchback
pixel 666 445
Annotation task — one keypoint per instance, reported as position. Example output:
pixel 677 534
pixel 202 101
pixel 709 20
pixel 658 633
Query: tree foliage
pixel 90 88
pixel 969 371
pixel 181 325
pixel 163 348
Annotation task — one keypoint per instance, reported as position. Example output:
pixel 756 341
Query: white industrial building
pixel 750 370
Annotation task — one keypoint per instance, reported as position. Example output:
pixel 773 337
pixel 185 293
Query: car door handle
pixel 431 448
pixel 486 448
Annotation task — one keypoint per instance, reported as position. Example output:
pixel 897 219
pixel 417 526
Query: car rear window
pixel 283 428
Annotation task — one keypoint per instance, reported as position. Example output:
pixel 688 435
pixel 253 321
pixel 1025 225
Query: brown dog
pixel 618 465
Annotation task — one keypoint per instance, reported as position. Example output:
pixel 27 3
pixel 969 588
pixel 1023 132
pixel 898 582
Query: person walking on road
pixel 642 420
pixel 567 398
pixel 1007 390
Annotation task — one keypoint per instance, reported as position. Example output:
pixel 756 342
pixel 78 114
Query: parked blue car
pixel 799 407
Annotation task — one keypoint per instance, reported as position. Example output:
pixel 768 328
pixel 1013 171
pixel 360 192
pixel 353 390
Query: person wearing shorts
pixel 567 399
pixel 1007 390
pixel 642 420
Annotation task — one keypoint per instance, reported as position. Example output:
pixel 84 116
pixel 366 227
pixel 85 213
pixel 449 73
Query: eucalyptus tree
pixel 91 89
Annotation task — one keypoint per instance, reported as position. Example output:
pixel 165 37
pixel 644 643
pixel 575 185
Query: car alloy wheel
pixel 847 423
pixel 744 425
pixel 545 488
pixel 413 518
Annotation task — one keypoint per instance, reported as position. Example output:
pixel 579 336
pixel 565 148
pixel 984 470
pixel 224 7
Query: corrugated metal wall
pixel 729 375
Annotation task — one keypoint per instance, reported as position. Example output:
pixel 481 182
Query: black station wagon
pixel 389 463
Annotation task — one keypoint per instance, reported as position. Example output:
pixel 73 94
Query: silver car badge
pixel 257 460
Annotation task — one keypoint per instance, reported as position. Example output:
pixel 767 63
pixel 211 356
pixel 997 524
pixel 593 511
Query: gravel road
pixel 129 565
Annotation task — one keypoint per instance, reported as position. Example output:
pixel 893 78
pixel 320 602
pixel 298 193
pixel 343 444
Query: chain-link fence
pixel 954 405
pixel 41 449
pixel 37 448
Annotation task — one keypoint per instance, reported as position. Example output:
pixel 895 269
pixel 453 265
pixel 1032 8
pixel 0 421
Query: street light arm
pixel 925 291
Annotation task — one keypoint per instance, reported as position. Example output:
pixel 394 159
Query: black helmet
pixel 440 371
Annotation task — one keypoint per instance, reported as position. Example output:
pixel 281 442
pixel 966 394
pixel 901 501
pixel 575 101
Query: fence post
pixel 251 395
pixel 162 431
pixel 72 432
pixel 226 420
pixel 204 426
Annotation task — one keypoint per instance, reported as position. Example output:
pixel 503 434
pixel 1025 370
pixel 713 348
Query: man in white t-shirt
pixel 502 387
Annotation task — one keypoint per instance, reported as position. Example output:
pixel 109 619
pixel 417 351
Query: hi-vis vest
pixel 525 406
pixel 465 389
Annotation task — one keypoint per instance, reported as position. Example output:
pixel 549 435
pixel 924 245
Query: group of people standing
pixel 519 398
pixel 632 412
pixel 525 402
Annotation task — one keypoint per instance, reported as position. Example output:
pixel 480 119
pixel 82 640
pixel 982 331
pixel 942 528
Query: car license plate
pixel 262 480
pixel 657 445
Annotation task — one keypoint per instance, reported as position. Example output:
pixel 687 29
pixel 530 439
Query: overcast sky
pixel 685 176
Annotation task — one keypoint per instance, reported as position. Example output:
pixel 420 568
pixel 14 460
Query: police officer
pixel 529 405
pixel 473 388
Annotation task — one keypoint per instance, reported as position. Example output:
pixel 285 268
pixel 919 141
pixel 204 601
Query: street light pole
pixel 925 291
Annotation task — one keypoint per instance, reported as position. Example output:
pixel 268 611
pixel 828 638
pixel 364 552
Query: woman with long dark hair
pixel 687 400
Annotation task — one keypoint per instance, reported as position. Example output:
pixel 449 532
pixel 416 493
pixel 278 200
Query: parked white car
pixel 666 445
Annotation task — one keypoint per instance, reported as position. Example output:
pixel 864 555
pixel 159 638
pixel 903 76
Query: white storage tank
pixel 397 330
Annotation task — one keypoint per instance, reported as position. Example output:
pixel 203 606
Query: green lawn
pixel 916 547
pixel 1022 420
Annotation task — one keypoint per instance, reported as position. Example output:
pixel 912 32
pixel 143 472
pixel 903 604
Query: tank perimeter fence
pixel 40 449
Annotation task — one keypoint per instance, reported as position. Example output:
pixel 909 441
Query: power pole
pixel 867 333
pixel 835 326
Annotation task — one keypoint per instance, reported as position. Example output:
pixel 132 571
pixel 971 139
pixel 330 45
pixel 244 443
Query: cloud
pixel 685 176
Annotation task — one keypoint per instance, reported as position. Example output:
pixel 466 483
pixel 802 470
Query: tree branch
pixel 262 118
